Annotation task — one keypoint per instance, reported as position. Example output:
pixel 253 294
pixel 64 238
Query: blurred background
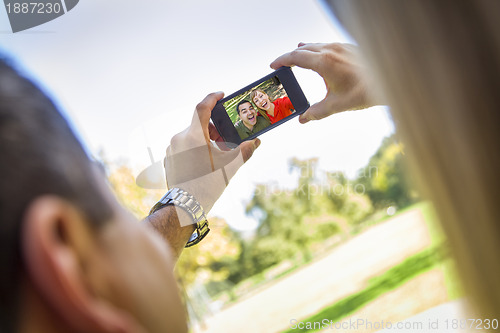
pixel 321 223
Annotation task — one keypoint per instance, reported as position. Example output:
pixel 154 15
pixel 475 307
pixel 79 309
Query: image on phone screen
pixel 259 107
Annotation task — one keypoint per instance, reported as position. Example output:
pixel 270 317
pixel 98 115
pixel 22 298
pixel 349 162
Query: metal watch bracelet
pixel 189 204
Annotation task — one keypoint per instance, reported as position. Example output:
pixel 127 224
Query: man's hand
pixel 340 67
pixel 196 165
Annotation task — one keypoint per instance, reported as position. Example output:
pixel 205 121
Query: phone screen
pixel 259 107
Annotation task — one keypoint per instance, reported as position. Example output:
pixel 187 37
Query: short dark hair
pixel 241 102
pixel 40 155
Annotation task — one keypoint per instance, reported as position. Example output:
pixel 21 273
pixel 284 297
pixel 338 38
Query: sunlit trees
pixel 292 222
pixel 384 176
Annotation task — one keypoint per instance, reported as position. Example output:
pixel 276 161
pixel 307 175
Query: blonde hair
pixel 438 66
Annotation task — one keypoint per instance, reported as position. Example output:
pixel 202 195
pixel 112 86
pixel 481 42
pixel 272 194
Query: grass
pixel 452 282
pixel 389 280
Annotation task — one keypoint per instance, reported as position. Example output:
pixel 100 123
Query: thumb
pixel 313 113
pixel 304 118
pixel 317 111
pixel 248 147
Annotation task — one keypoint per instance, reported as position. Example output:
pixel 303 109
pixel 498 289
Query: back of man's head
pixel 39 155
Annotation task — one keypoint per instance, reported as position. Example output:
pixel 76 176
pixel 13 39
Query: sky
pixel 128 75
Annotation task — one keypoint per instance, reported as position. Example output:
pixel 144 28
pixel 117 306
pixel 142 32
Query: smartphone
pixel 259 107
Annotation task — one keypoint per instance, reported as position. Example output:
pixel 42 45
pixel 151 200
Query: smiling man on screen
pixel 250 122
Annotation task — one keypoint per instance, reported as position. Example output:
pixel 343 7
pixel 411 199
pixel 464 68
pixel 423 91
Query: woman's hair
pixel 438 67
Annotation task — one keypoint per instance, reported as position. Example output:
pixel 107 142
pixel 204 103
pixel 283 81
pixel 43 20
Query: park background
pixel 320 223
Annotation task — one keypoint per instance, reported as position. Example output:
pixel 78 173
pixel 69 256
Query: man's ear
pixel 58 244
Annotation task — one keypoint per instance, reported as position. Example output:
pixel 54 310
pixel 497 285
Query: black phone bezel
pixel 225 126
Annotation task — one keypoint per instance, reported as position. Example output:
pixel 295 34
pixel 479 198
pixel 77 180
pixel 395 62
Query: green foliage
pixel 326 230
pixel 389 280
pixel 216 256
pixel 136 199
pixel 346 199
pixel 384 177
pixel 292 223
pixel 216 287
pixel 269 251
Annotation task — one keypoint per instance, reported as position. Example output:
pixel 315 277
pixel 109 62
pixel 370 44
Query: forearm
pixel 195 166
pixel 166 222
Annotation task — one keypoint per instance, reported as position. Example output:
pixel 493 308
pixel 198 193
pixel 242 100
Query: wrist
pixel 167 222
pixel 185 201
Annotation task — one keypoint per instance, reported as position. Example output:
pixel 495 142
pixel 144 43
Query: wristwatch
pixel 188 203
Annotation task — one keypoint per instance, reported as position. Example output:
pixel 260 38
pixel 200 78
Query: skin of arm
pixel 167 223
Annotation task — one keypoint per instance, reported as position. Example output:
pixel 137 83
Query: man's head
pixel 247 113
pixel 68 253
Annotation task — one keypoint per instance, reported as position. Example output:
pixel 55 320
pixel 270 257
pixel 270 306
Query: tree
pixel 384 177
pixel 136 199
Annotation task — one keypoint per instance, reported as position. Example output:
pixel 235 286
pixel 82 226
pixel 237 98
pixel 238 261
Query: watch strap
pixel 190 205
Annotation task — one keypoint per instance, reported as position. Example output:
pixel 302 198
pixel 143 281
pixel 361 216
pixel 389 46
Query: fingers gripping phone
pixel 259 107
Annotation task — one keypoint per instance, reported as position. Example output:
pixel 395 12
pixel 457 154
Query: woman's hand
pixel 196 165
pixel 340 67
